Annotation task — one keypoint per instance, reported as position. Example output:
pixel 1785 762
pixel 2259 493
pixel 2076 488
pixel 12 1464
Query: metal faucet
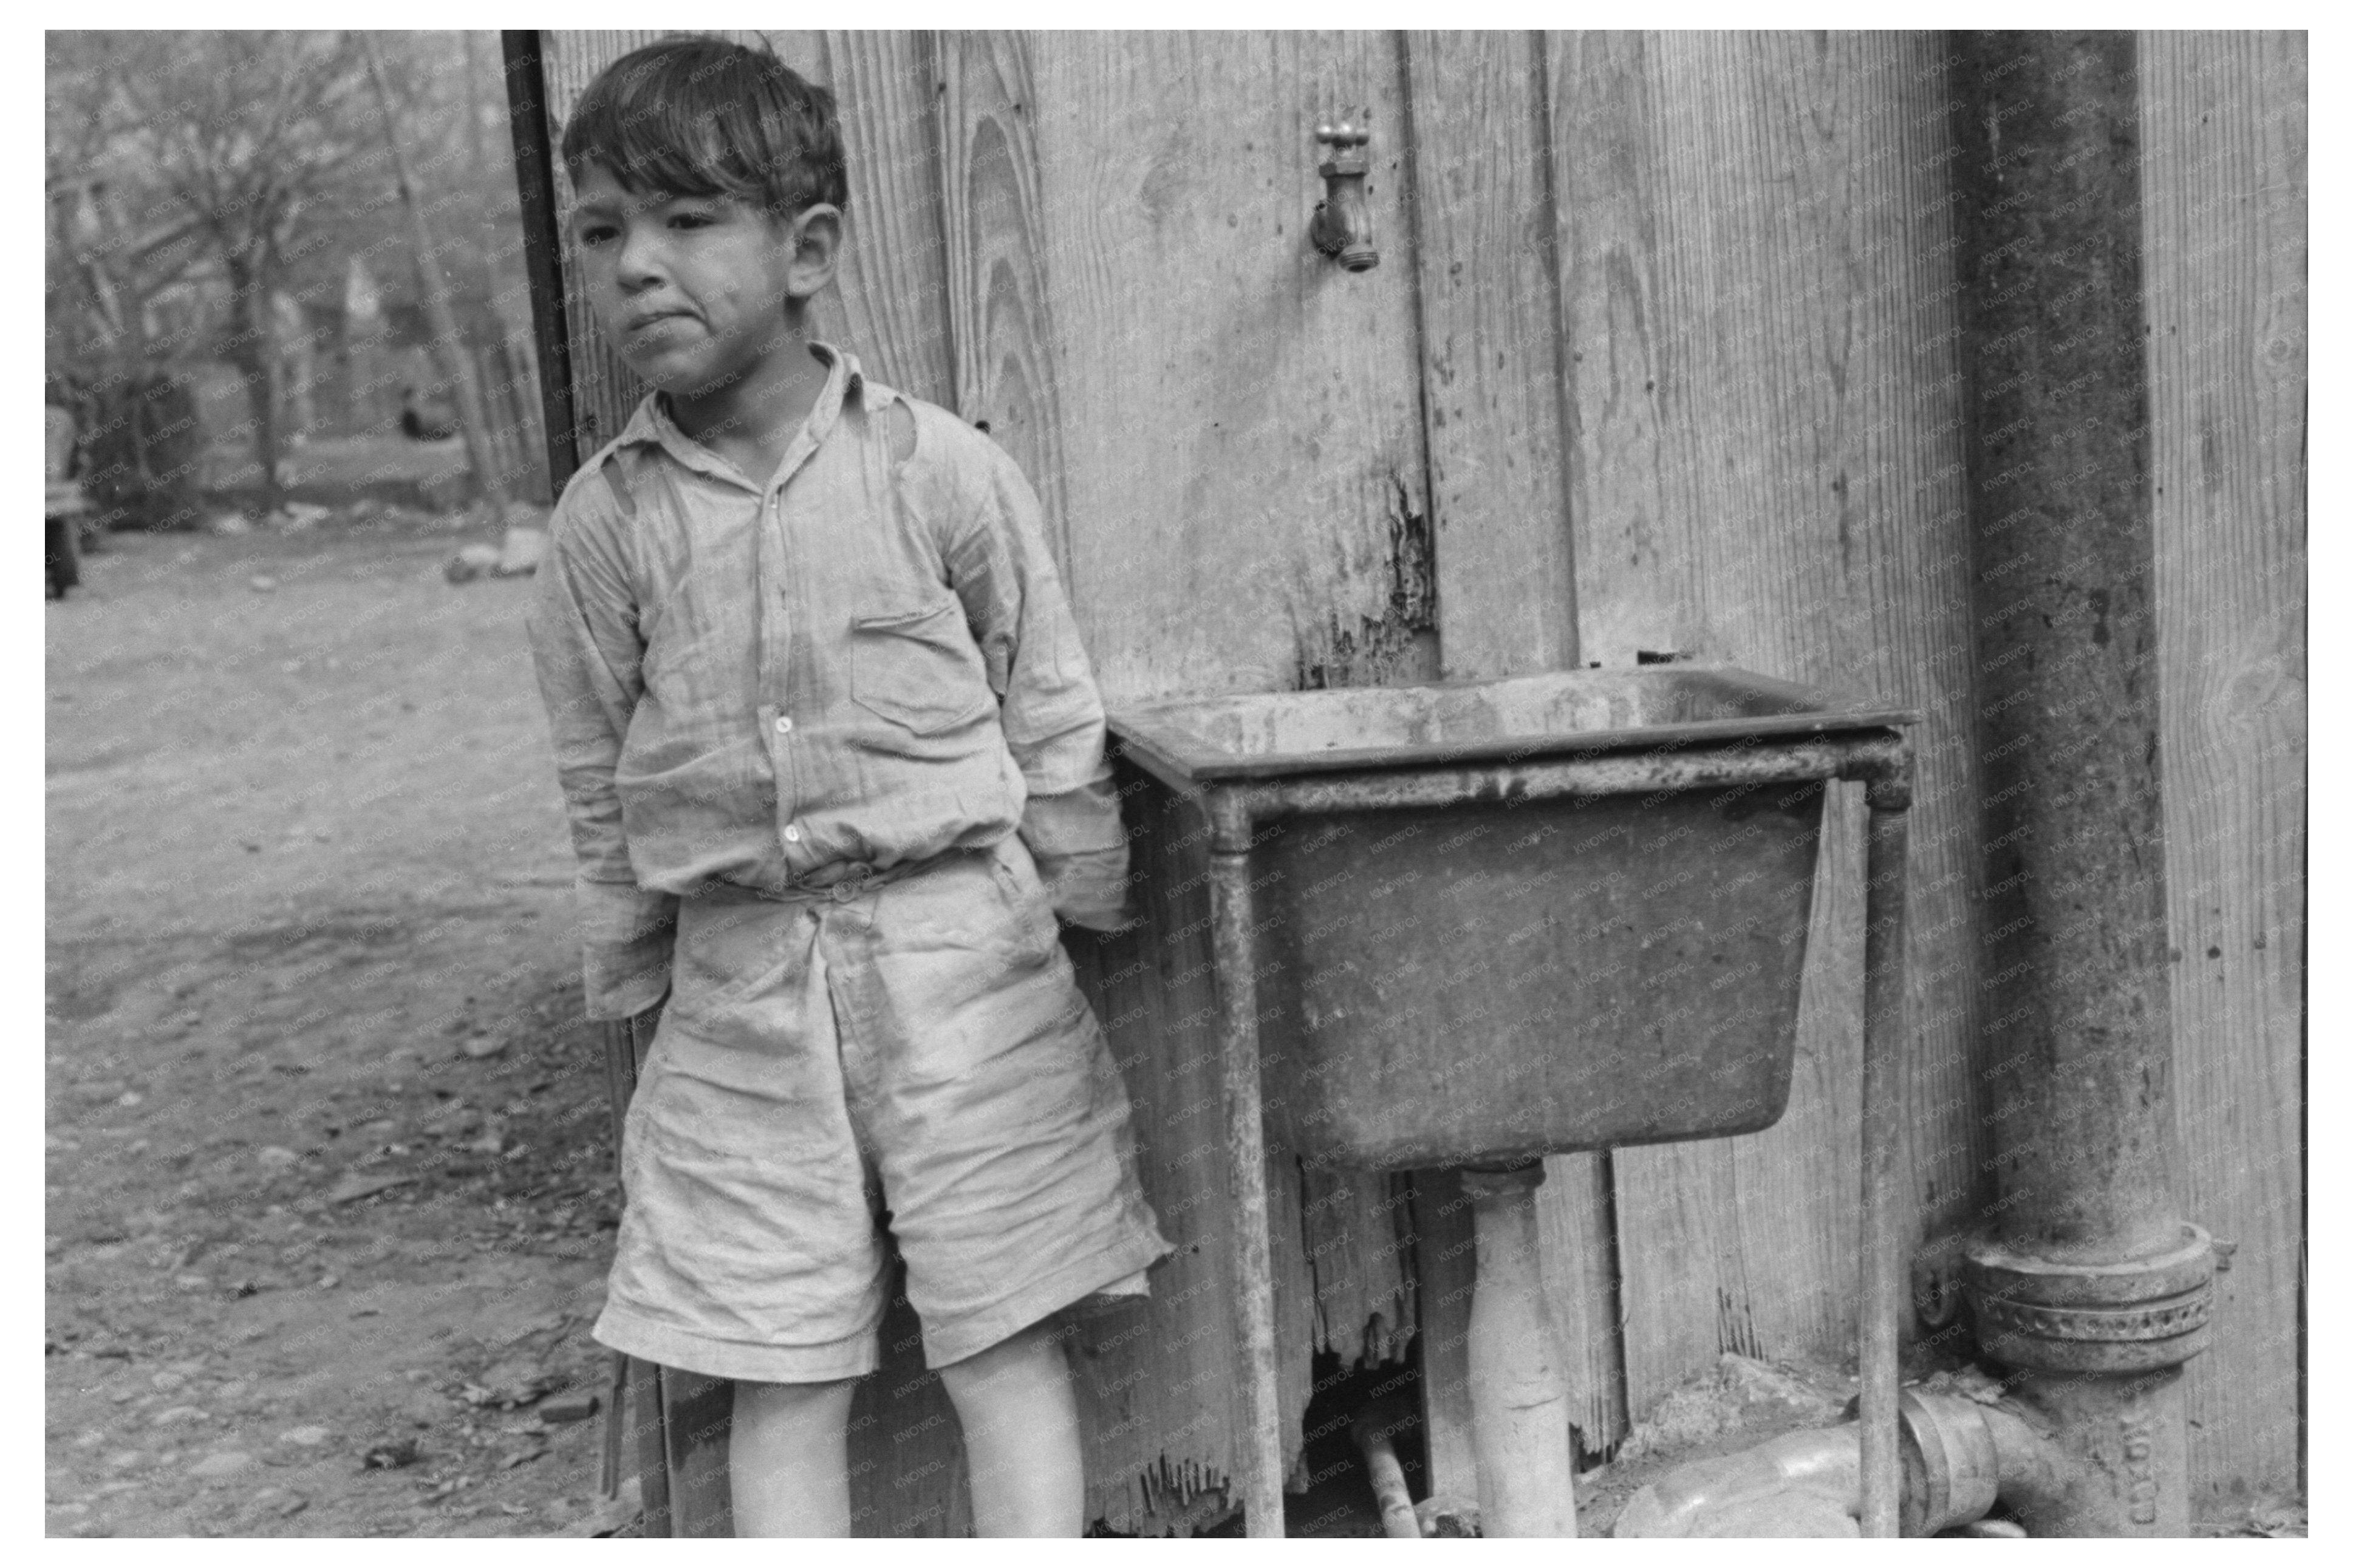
pixel 1343 225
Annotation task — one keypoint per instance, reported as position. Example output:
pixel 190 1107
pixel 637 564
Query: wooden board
pixel 1485 251
pixel 2222 138
pixel 1244 466
pixel 1098 353
pixel 1489 288
pixel 1764 469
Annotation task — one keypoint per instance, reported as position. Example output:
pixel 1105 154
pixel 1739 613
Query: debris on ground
pixel 610 1517
pixel 508 1385
pixel 396 1454
pixel 471 562
pixel 1447 1517
pixel 578 1405
pixel 1735 1396
pixel 520 551
pixel 293 516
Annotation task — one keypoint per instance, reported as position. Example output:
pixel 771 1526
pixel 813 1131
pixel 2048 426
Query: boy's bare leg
pixel 1020 1419
pixel 788 1458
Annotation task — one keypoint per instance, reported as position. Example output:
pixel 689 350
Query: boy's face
pixel 692 290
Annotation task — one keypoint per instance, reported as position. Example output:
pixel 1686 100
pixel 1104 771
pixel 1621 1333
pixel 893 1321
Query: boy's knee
pixel 1037 1347
pixel 807 1400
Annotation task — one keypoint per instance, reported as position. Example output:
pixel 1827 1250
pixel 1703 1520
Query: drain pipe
pixel 1961 1458
pixel 2090 1284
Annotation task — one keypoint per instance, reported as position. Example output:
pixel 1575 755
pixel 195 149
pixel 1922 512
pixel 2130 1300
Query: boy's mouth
pixel 646 319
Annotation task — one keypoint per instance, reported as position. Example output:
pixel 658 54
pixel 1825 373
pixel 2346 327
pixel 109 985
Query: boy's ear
pixel 816 239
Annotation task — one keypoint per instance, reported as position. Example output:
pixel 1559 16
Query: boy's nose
pixel 640 263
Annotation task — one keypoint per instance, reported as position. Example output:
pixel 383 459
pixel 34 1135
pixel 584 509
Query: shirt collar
pixel 651 422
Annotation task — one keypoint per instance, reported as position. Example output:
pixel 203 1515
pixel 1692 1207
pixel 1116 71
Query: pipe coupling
pixel 2139 1315
pixel 1952 1471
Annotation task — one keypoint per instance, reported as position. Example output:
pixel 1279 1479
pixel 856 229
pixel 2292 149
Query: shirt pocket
pixel 915 665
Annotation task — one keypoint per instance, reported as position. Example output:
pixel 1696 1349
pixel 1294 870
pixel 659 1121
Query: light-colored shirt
pixel 867 661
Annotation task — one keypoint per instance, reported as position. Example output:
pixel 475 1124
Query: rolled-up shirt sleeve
pixel 1052 717
pixel 586 651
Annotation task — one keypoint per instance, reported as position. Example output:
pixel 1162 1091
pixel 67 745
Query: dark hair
pixel 704 117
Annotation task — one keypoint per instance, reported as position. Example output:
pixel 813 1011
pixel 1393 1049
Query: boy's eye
pixel 690 220
pixel 597 234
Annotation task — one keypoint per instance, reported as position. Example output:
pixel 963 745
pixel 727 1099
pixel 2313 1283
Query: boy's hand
pixel 1103 915
pixel 1085 891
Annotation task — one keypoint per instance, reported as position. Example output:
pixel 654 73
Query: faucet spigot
pixel 1343 225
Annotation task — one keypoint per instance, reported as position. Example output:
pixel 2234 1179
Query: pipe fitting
pixel 2142 1314
pixel 1960 1458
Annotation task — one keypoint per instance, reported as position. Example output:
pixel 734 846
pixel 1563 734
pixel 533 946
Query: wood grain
pixel 1489 294
pixel 1493 390
pixel 1243 459
pixel 889 301
pixel 1002 340
pixel 2223 187
pixel 1763 469
pixel 1132 287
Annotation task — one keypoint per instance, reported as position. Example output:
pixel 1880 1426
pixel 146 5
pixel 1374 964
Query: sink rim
pixel 1154 734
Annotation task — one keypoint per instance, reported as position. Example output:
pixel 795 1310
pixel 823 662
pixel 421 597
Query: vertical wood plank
pixel 1000 315
pixel 1446 1271
pixel 1243 459
pixel 1489 292
pixel 1489 282
pixel 1240 472
pixel 2223 186
pixel 1764 469
pixel 889 301
pixel 1578 1232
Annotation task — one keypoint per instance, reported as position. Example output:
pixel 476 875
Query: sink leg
pixel 1519 1390
pixel 1260 1459
pixel 1884 1116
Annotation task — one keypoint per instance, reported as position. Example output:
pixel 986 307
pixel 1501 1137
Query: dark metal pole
pixel 542 248
pixel 2089 1281
pixel 1886 1107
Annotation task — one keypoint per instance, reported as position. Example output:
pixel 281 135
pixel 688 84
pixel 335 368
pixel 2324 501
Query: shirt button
pixel 783 726
pixel 792 834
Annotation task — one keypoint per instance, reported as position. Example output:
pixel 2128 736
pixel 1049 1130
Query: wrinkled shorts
pixel 913 1053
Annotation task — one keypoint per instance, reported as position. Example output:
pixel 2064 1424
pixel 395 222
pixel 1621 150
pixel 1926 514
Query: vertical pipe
pixel 1519 1391
pixel 2092 1285
pixel 1884 1112
pixel 2049 182
pixel 1230 922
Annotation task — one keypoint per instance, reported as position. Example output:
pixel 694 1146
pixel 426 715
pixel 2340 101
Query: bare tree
pixel 111 249
pixel 244 134
pixel 457 363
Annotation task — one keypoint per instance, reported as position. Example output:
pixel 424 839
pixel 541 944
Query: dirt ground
pixel 329 1181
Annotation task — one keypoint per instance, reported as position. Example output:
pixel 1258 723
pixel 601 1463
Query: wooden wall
pixel 2222 144
pixel 1660 357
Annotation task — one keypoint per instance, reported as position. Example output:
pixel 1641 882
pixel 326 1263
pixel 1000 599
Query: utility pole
pixel 455 359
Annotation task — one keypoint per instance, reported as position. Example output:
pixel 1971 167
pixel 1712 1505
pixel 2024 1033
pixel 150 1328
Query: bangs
pixel 704 117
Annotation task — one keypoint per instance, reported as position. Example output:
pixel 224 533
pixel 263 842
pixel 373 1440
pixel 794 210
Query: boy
pixel 834 759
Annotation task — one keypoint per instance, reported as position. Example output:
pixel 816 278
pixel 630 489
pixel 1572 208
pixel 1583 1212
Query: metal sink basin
pixel 1501 919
